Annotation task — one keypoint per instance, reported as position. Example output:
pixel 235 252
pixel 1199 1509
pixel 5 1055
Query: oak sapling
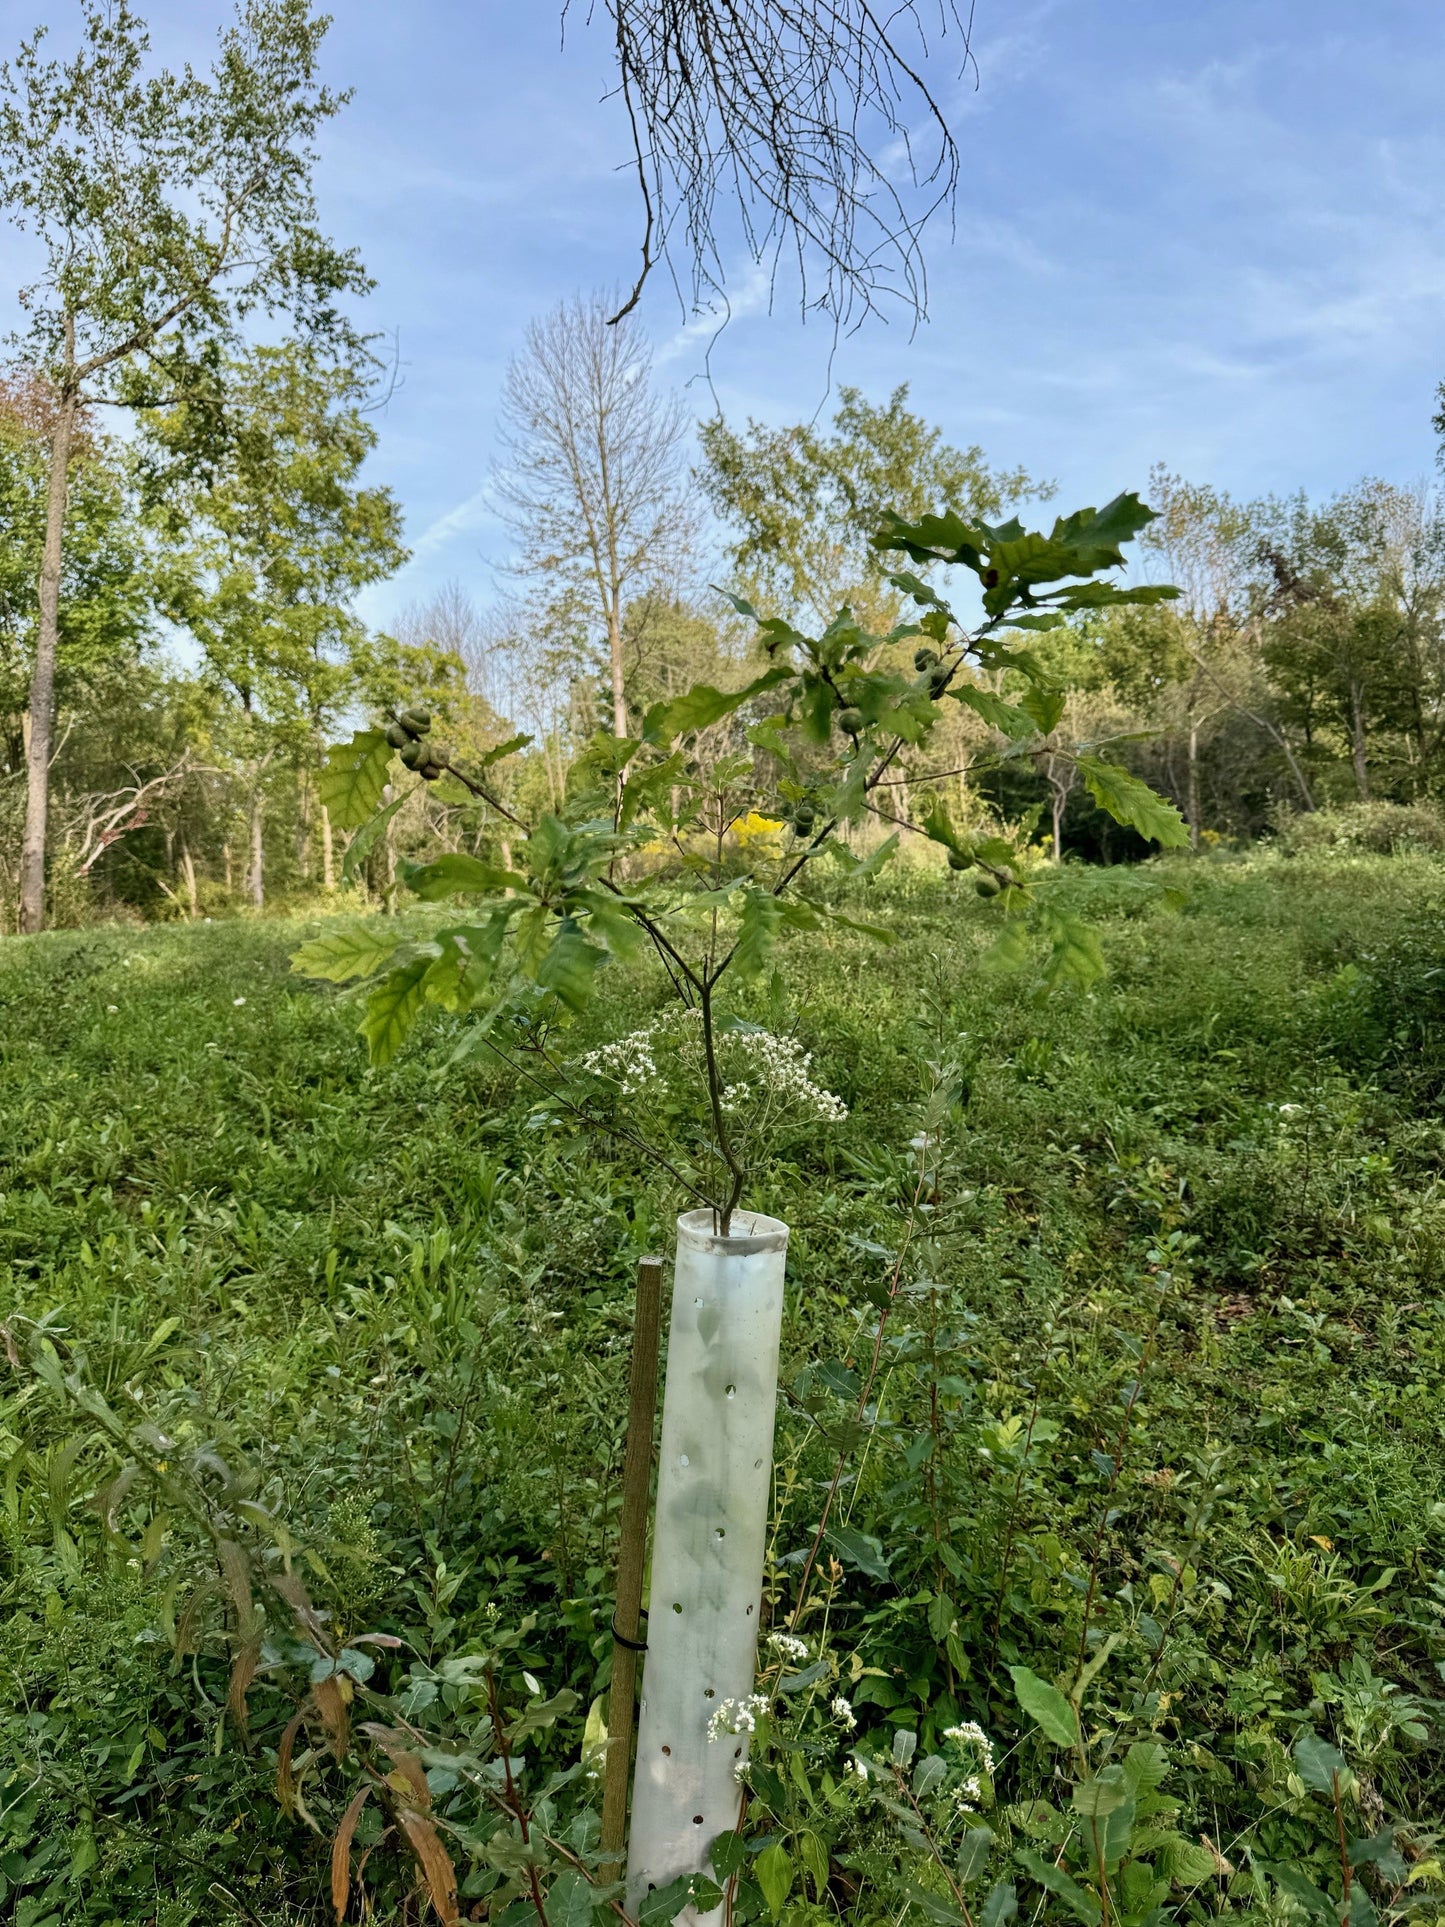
pixel 644 852
pixel 652 848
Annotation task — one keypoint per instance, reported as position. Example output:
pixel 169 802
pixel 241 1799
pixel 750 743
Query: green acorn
pixel 804 817
pixel 850 720
pixel 416 722
pixel 987 886
pixel 924 659
pixel 413 755
pixel 938 681
pixel 959 860
pixel 397 736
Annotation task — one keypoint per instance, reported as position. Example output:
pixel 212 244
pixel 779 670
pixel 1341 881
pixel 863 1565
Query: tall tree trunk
pixel 328 853
pixel 614 648
pixel 1192 791
pixel 42 682
pixel 256 870
pixel 1061 799
pixel 1357 741
pixel 302 840
pixel 188 875
pixel 226 859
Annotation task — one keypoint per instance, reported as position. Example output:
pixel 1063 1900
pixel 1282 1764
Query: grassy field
pixel 1160 1418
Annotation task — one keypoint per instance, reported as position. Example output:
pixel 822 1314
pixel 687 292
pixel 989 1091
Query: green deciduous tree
pixel 802 501
pixel 267 544
pixel 171 211
pixel 1354 602
pixel 104 604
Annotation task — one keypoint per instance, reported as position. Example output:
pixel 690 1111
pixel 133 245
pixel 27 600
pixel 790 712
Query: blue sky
pixel 1204 232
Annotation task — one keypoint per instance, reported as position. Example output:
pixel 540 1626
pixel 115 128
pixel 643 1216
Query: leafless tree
pixel 451 620
pixel 592 483
pixel 806 114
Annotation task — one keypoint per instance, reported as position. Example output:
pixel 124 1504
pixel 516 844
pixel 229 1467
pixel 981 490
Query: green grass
pixel 1166 1366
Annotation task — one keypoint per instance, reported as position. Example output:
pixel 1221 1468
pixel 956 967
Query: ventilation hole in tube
pixel 750 1612
pixel 718 1533
pixel 667 1750
pixel 697 1819
pixel 677 1605
pixel 708 1693
pixel 737 1753
pixel 652 1886
pixel 731 1390
pixel 697 1301
pixel 756 1464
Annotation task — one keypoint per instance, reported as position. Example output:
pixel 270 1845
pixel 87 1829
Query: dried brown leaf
pixel 188 1620
pixel 288 1585
pixel 243 1671
pixel 236 1569
pixel 435 1864
pixel 341 1853
pixel 409 1778
pixel 330 1696
pixel 285 1785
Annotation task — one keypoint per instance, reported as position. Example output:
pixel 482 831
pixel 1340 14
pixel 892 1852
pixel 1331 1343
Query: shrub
pixel 1382 829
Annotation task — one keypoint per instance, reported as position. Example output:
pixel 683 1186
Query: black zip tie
pixel 632 1645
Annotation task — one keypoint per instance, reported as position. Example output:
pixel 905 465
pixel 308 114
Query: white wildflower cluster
pixel 763 1068
pixel 786 1646
pixel 972 1737
pixel 629 1063
pixel 765 1078
pixel 843 1713
pixel 737 1716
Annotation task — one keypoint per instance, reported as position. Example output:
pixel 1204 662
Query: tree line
pixel 187 521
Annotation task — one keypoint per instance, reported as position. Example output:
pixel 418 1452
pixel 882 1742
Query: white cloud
pixel 753 296
pixel 473 512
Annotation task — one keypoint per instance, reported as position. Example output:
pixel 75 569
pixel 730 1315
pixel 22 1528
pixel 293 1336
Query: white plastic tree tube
pixel 713 1485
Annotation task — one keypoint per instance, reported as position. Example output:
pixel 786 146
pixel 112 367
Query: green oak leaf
pixel 392 1009
pixel 338 956
pixel 569 965
pixel 701 706
pixel 353 777
pixel 1129 800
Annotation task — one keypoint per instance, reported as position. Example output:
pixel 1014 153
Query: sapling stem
pixel 631 1557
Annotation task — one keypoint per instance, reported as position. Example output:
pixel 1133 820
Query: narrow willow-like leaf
pixel 361 845
pixel 1046 1706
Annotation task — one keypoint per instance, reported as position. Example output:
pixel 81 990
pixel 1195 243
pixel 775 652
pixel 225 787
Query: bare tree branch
pixel 802 113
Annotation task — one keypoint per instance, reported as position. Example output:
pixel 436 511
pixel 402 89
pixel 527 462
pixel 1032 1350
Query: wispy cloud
pixel 473 512
pixel 753 295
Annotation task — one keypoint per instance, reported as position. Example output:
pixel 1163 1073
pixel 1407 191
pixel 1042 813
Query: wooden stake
pixel 631 1558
